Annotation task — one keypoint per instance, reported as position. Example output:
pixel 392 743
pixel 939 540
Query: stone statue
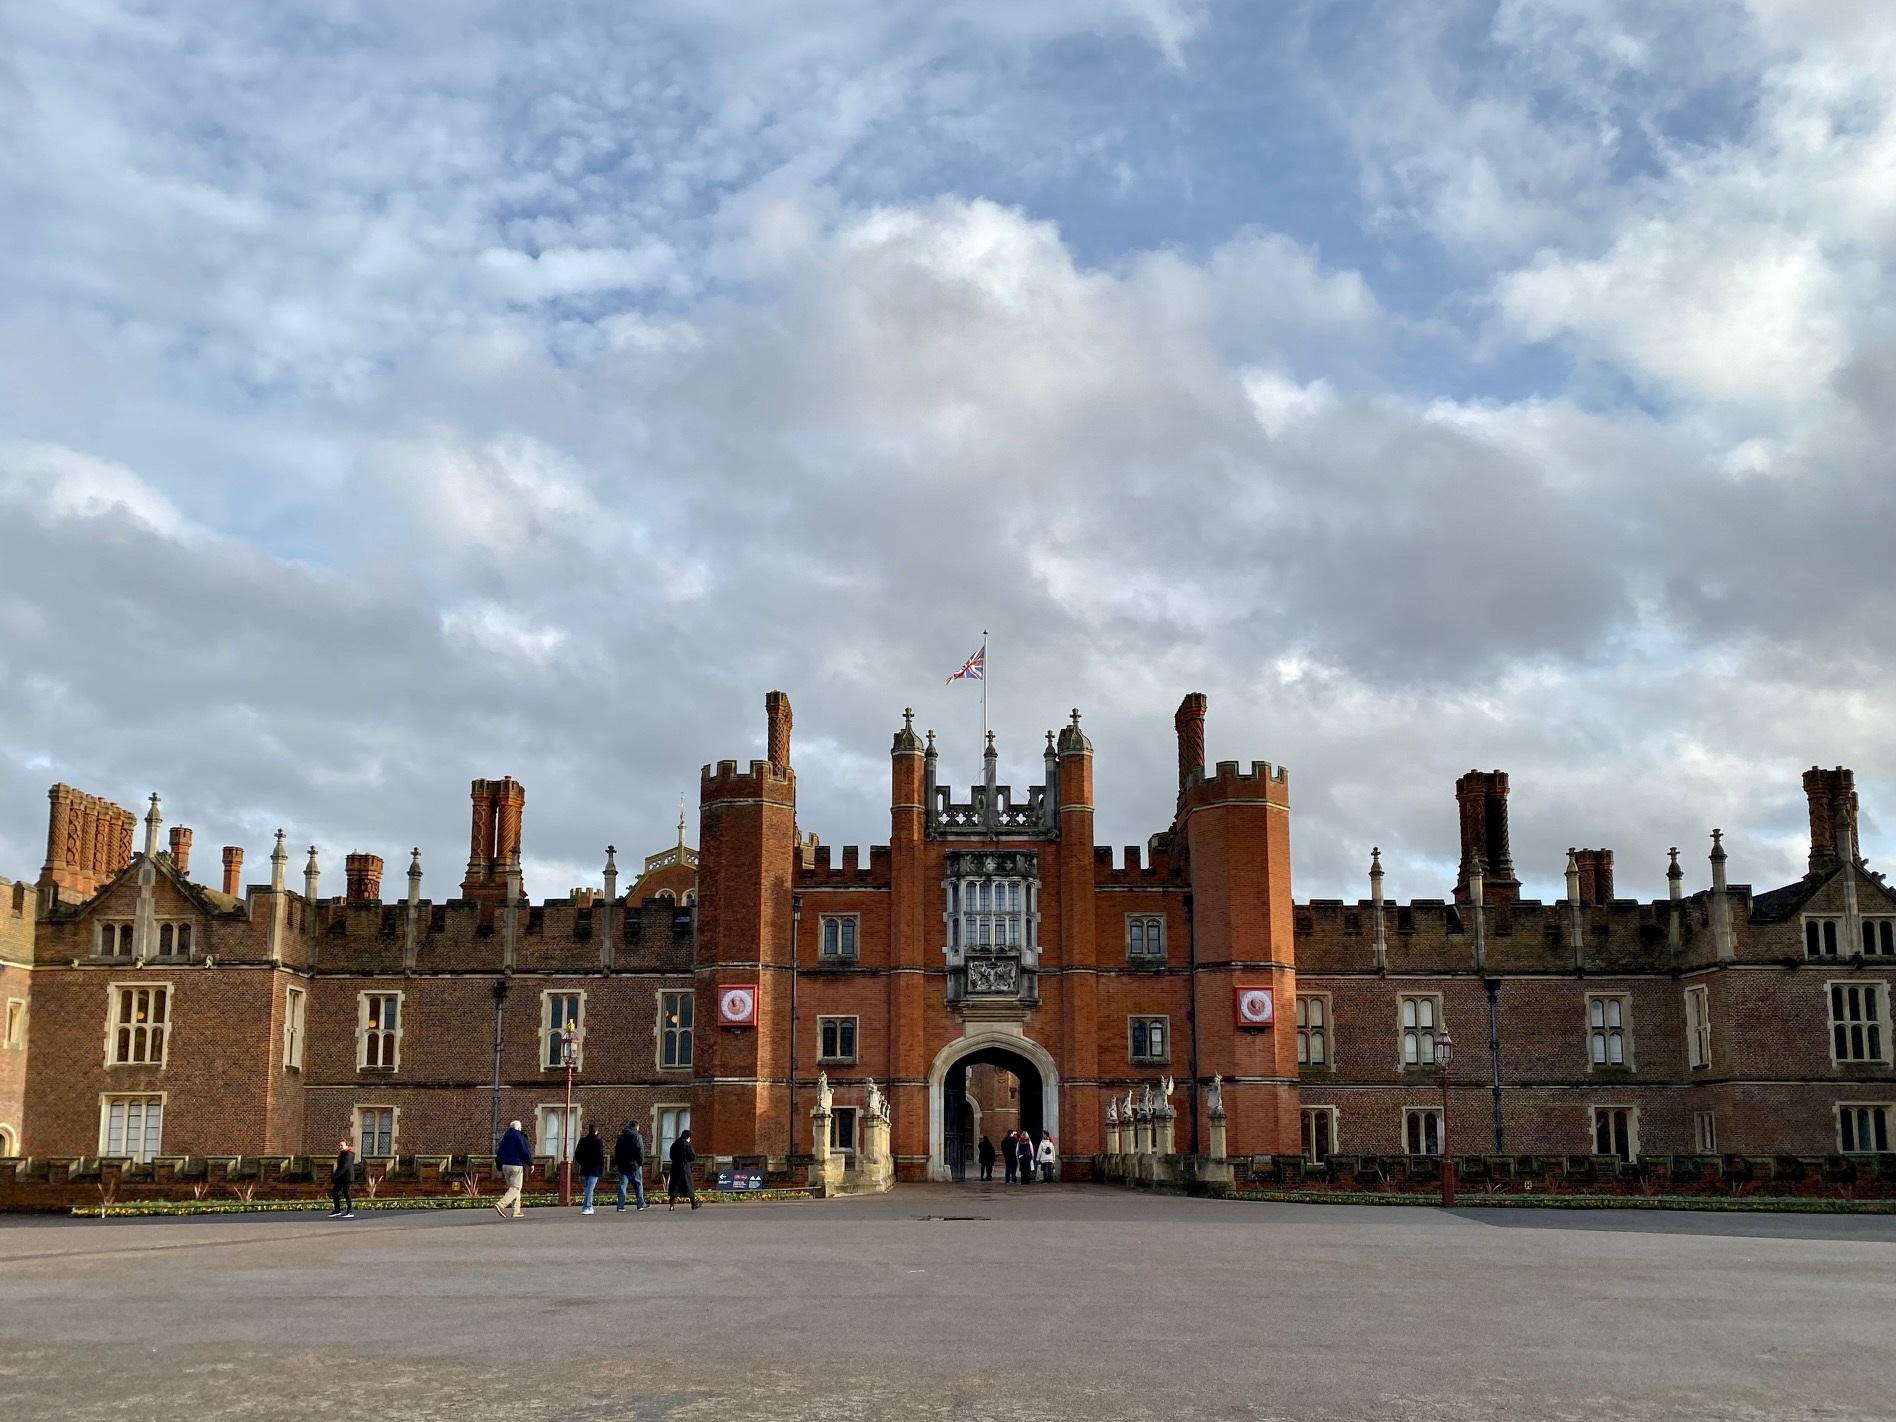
pixel 1215 1097
pixel 823 1092
pixel 1112 1110
pixel 874 1102
pixel 1165 1092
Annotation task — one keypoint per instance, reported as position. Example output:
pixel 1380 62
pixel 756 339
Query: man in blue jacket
pixel 513 1156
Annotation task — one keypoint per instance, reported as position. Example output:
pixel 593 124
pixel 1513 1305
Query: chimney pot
pixel 181 849
pixel 364 875
pixel 233 870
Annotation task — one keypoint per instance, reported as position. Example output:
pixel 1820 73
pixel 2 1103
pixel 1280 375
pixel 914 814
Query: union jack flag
pixel 974 669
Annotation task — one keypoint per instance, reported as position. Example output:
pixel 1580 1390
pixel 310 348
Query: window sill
pixel 834 965
pixel 677 1070
pixel 378 1070
pixel 836 1061
pixel 1150 1061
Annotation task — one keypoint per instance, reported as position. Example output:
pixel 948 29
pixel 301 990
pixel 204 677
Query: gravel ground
pixel 964 1302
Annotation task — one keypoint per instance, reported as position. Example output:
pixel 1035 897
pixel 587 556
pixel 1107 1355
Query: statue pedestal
pixel 1218 1137
pixel 875 1165
pixel 826 1171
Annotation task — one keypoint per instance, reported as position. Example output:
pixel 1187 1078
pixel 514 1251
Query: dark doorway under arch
pixel 958 1117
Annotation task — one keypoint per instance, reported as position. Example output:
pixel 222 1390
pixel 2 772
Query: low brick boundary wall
pixel 62 1185
pixel 1724 1177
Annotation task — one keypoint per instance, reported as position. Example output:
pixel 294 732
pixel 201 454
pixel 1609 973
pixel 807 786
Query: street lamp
pixel 569 1058
pixel 1444 1054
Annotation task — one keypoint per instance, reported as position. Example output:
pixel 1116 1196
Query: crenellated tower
pixel 747 862
pixel 1235 826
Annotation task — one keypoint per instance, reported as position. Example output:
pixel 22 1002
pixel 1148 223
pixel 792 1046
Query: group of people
pixel 514 1156
pixel 1019 1155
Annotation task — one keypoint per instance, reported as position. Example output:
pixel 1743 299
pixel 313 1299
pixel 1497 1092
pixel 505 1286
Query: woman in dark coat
pixel 341 1181
pixel 589 1159
pixel 682 1155
pixel 985 1154
pixel 1024 1150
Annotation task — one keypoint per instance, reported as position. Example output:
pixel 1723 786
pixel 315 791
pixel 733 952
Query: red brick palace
pixel 151 1015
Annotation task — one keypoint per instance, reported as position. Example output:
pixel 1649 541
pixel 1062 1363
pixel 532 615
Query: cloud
pixel 421 401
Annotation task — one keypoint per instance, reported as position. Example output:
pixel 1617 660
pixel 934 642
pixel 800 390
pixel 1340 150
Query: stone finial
pixel 279 861
pixel 906 741
pixel 152 823
pixel 1375 871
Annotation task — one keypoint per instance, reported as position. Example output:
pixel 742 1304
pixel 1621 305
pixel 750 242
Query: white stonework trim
pixel 989 1035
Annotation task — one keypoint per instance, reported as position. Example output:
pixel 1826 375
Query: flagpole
pixel 984 677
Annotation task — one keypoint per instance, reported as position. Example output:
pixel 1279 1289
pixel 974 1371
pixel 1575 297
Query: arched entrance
pixel 950 1117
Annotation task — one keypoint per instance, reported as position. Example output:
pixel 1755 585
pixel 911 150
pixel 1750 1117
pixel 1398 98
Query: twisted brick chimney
pixel 1833 809
pixel 1483 799
pixel 1190 725
pixel 777 739
pixel 233 871
pixel 1596 875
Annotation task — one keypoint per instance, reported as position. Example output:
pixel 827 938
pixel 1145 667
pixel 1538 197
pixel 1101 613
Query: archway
pixel 949 1141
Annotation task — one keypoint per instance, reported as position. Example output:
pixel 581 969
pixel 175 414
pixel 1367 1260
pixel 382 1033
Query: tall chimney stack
pixel 1833 800
pixel 777 739
pixel 233 871
pixel 1596 875
pixel 1190 724
pixel 181 850
pixel 1483 799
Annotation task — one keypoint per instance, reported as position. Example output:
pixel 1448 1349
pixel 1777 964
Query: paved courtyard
pixel 1062 1302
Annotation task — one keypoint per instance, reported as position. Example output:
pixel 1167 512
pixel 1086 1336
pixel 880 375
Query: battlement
pixel 465 935
pixel 818 866
pixel 1135 865
pixel 762 781
pixel 1528 936
pixel 1263 782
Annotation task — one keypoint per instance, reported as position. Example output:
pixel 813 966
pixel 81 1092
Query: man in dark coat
pixel 589 1159
pixel 513 1155
pixel 341 1179
pixel 628 1158
pixel 682 1155
pixel 985 1154
pixel 1010 1157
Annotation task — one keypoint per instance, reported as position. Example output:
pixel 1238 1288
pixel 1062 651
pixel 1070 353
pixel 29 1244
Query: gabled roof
pixel 1777 905
pixel 209 901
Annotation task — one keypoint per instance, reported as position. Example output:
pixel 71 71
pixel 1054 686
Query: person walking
pixel 341 1180
pixel 1049 1159
pixel 513 1155
pixel 589 1159
pixel 628 1158
pixel 682 1155
pixel 1024 1151
pixel 985 1153
pixel 1010 1155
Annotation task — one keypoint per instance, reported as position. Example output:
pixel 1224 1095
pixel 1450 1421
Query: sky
pixel 396 395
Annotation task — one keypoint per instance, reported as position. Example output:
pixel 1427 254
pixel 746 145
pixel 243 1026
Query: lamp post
pixel 1444 1054
pixel 569 1058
